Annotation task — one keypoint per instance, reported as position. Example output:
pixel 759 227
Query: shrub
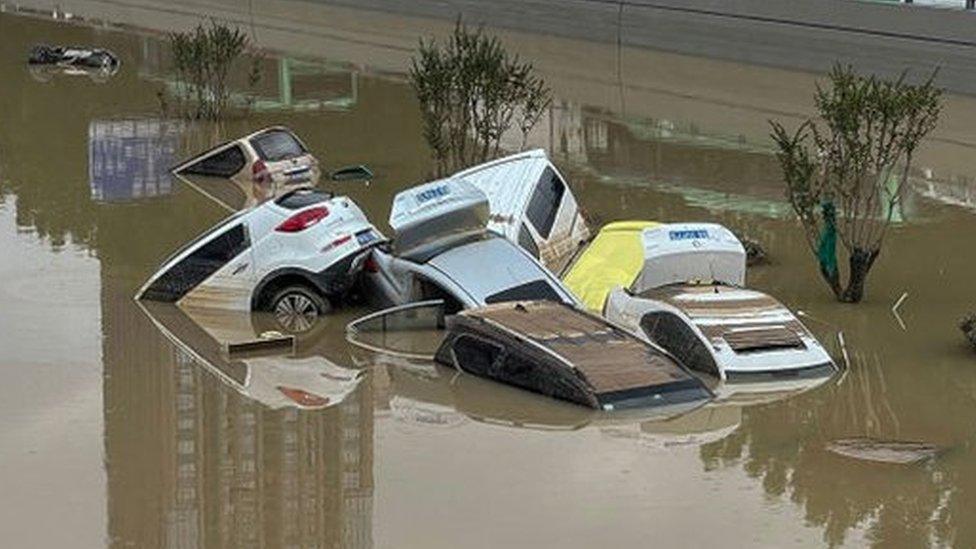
pixel 845 172
pixel 472 92
pixel 203 58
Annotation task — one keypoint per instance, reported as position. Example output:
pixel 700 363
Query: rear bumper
pixel 339 277
pixel 334 281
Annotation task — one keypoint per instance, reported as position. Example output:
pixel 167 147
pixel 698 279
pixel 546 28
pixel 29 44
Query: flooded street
pixel 119 428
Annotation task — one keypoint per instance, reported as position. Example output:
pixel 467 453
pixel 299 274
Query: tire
pixel 297 308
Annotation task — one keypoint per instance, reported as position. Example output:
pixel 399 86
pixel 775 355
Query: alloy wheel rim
pixel 296 312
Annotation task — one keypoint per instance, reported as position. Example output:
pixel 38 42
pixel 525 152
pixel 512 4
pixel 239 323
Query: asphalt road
pixel 796 34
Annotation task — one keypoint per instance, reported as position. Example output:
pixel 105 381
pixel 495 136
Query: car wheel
pixel 298 308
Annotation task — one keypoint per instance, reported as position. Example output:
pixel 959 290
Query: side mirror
pixel 352 173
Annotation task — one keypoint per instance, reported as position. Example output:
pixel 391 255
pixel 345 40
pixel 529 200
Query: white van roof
pixel 508 180
pixel 683 252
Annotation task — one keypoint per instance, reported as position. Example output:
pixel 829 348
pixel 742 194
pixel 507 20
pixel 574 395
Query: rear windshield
pixel 537 289
pixel 277 145
pixel 300 198
pixel 224 163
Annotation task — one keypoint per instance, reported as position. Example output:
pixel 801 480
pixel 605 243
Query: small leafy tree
pixel 203 58
pixel 472 92
pixel 845 173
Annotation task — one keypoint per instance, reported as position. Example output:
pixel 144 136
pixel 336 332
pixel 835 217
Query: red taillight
pixel 303 220
pixel 370 265
pixel 303 398
pixel 259 171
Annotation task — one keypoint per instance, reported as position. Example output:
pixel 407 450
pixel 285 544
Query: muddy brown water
pixel 114 433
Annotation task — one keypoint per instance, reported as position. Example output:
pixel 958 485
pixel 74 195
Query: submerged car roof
pixel 491 265
pixel 613 365
pixel 745 319
pixel 614 258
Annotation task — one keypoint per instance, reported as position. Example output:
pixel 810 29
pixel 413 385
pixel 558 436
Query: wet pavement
pixel 116 432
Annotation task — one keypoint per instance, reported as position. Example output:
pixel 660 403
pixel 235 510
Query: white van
pixel 531 204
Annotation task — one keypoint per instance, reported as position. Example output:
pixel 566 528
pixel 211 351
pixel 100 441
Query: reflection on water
pixel 708 170
pixel 130 159
pixel 192 461
pixel 785 447
pixel 282 83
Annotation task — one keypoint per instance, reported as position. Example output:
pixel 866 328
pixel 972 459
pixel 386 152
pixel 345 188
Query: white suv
pixel 296 256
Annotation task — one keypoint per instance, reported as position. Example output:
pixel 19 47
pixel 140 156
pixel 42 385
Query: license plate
pixel 365 237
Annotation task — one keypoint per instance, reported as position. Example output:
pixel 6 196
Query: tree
pixel 472 92
pixel 845 173
pixel 203 59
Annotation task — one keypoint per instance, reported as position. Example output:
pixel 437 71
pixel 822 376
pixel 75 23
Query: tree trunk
pixel 861 262
pixel 832 278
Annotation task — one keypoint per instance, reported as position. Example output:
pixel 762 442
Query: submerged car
pixel 681 287
pixel 264 164
pixel 296 255
pixel 531 205
pixel 98 64
pixel 421 391
pixel 568 354
pixel 442 249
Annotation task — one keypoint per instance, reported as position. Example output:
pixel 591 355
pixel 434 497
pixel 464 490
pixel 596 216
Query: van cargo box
pixel 681 252
pixel 435 215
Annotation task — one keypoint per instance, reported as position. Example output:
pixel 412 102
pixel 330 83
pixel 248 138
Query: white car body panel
pixel 236 283
pixel 628 311
pixel 510 183
pixel 681 252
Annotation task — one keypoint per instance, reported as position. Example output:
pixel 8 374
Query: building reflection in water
pixel 130 159
pixel 193 462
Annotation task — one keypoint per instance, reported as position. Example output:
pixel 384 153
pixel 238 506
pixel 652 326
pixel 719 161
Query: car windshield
pixel 537 289
pixel 277 145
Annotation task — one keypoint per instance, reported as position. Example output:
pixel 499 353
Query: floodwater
pixel 121 426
